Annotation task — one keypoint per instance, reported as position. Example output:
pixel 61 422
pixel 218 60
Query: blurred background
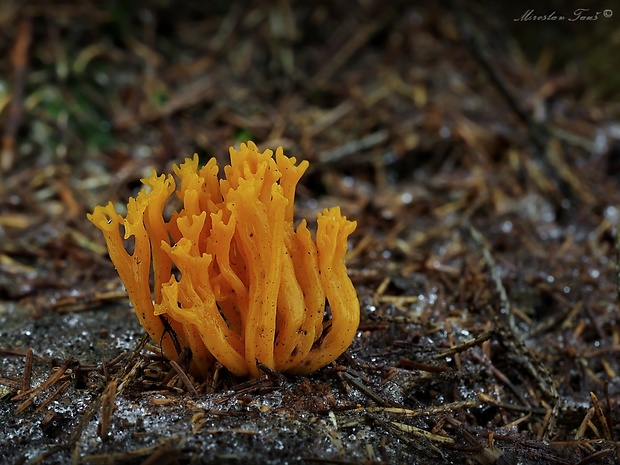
pixel 95 95
pixel 107 81
pixel 421 119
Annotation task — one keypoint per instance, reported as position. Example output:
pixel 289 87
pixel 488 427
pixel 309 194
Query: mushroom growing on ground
pixel 233 280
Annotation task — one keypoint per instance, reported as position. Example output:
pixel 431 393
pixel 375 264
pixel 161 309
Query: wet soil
pixel 478 154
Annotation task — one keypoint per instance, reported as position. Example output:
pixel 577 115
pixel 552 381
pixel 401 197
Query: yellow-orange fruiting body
pixel 248 287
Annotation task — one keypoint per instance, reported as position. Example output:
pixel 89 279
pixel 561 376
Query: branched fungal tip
pixel 250 287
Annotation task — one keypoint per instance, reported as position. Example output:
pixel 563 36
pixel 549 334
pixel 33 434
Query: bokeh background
pixel 479 155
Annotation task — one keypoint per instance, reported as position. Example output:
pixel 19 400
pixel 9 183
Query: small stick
pixel 26 384
pixel 188 384
pixel 436 410
pixel 368 392
pixel 47 383
pixel 466 345
pixel 104 369
pixel 422 433
pixel 62 388
pixel 601 416
pixel 127 372
pixel 108 400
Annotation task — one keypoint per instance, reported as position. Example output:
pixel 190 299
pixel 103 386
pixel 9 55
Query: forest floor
pixel 479 155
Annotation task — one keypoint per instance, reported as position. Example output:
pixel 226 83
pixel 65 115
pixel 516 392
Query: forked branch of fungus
pixel 232 278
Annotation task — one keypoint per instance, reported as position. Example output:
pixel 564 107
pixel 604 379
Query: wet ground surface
pixel 482 169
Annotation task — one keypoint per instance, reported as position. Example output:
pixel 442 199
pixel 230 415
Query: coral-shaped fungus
pixel 232 278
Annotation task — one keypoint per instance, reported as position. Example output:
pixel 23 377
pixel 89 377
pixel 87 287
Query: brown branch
pixel 27 378
pixel 367 391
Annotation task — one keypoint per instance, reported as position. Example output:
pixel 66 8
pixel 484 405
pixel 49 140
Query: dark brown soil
pixel 478 148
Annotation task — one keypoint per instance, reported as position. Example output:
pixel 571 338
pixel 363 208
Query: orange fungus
pixel 232 279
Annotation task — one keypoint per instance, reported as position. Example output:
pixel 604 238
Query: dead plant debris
pixel 482 168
